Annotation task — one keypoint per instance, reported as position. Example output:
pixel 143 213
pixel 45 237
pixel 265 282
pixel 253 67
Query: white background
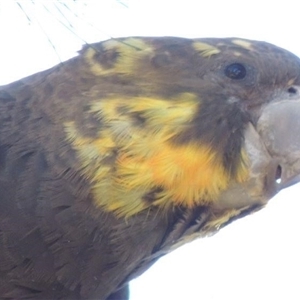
pixel 257 257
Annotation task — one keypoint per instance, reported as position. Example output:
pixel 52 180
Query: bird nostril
pixel 292 90
pixel 278 174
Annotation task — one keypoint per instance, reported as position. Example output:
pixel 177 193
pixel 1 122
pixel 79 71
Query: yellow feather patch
pixel 134 156
pixel 242 43
pixel 205 50
pixel 128 54
pixel 291 82
pixel 236 53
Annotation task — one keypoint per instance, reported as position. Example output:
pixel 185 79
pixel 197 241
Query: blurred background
pixel 257 257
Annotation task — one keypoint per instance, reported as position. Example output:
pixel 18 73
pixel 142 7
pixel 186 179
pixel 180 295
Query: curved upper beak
pixel 272 146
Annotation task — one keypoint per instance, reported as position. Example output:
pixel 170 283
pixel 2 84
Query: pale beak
pixel 272 146
pixel 279 128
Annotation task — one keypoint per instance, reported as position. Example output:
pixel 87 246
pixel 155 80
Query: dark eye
pixel 235 71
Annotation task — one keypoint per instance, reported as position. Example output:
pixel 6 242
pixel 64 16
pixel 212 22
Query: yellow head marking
pixel 134 155
pixel 245 44
pixel 127 55
pixel 205 50
pixel 188 174
pixel 291 81
pixel 235 53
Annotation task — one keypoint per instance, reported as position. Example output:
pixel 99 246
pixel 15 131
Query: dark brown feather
pixel 54 242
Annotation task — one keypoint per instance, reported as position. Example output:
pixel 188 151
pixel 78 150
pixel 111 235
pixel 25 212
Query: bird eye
pixel 235 71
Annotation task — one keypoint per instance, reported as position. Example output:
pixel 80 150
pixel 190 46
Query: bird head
pixel 189 122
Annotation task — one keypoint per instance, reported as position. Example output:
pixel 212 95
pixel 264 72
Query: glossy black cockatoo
pixel 116 157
